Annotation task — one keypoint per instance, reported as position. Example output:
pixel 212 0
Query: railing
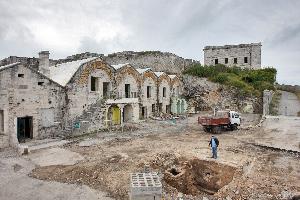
pixel 121 95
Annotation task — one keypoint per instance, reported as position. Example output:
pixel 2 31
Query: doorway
pixel 127 113
pixel 106 89
pixel 178 107
pixel 182 107
pixel 144 113
pixel 24 128
pixel 168 109
pixel 160 106
pixel 115 115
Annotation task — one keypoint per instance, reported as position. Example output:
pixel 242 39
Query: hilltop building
pixel 242 55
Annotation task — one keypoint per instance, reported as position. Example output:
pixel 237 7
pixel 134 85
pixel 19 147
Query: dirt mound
pixel 196 176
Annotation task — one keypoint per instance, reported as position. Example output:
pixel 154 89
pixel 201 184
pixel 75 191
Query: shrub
pixel 221 78
pixel 246 80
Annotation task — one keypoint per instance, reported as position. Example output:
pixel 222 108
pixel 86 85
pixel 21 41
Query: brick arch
pixel 174 80
pixel 166 77
pixel 130 71
pixel 150 74
pixel 83 79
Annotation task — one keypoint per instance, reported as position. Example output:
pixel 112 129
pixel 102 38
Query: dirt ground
pixel 179 152
pixel 97 166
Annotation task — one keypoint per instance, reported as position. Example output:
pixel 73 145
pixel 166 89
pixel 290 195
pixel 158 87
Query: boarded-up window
pixel 1 121
pixel 47 116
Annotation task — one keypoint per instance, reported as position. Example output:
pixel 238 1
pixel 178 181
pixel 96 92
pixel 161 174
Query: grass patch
pixel 247 81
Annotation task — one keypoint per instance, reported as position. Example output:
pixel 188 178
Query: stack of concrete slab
pixel 145 186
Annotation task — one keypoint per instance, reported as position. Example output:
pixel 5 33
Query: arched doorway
pixel 115 115
pixel 182 107
pixel 127 113
pixel 178 107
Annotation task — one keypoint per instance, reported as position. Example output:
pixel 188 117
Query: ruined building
pixel 158 61
pixel 242 55
pixel 80 96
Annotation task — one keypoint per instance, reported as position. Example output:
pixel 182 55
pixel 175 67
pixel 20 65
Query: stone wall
pixel 163 101
pixel 202 95
pixel 34 62
pixel 85 108
pixel 24 92
pixel 250 51
pixel 156 60
pixel 267 99
pixel 149 79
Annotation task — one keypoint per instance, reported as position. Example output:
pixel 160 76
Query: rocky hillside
pixel 158 61
pixel 202 94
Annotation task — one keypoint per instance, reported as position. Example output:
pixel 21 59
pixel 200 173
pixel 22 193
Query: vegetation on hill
pixel 248 81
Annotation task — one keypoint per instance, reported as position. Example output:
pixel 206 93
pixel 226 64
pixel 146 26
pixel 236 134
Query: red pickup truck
pixel 222 120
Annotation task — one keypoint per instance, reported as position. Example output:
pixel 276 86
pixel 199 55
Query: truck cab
pixel 234 118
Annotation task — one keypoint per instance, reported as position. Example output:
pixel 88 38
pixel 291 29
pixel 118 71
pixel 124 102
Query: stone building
pixel 80 96
pixel 242 55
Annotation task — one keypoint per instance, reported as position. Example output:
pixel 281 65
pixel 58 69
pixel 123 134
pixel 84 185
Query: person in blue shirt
pixel 214 143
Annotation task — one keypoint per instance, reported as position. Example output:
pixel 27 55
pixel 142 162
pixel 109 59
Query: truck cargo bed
pixel 213 121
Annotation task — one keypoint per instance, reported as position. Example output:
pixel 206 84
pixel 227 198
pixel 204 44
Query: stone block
pixel 145 186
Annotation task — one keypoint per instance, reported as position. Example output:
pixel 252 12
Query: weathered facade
pixel 31 105
pixel 178 103
pixel 78 96
pixel 242 55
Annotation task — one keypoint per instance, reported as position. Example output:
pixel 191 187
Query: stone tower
pixel 241 55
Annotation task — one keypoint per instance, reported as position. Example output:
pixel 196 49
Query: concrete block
pixel 145 186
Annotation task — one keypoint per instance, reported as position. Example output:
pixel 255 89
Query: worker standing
pixel 214 143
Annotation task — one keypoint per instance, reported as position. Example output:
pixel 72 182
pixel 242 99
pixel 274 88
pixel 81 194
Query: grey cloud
pixel 181 27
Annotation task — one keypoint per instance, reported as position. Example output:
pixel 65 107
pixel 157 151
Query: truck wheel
pixel 216 129
pixel 206 129
pixel 233 127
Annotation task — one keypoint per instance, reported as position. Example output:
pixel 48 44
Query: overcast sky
pixel 66 27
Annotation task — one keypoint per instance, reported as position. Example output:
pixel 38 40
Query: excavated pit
pixel 196 177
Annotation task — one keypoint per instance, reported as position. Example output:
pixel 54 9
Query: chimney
pixel 44 63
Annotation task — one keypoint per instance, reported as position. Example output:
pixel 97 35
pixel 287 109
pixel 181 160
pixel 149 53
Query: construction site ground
pixel 254 162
